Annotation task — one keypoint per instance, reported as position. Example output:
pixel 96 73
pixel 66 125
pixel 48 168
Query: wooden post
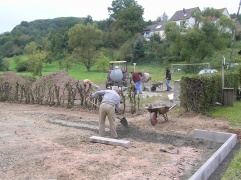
pixel 228 96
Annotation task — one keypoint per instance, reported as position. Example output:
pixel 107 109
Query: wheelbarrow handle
pixel 172 106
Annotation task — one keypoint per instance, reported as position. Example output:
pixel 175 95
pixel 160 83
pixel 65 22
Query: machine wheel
pixel 153 118
pixel 153 88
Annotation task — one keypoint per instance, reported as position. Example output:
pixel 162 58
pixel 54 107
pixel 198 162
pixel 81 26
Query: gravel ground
pixel 43 142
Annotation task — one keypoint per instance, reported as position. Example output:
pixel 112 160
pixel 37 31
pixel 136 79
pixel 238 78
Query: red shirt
pixel 136 76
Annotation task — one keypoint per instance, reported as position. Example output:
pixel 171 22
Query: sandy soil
pixel 44 142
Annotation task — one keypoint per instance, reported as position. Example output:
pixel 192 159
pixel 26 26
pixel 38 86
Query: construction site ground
pixel 50 142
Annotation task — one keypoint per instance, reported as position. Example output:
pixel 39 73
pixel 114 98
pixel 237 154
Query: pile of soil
pixel 59 78
pixel 12 78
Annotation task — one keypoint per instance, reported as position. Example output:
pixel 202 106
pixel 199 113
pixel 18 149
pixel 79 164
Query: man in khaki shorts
pixel 110 102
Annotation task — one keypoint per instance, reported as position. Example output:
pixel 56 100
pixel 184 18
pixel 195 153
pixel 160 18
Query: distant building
pixel 152 29
pixel 182 17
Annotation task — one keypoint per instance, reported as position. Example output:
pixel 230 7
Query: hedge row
pixel 201 92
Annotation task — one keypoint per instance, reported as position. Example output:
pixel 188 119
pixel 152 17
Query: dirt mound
pixel 12 78
pixel 49 88
pixel 59 78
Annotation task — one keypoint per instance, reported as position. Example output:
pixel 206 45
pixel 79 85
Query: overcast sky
pixel 13 12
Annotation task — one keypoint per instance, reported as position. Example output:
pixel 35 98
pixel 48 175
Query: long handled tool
pixel 123 120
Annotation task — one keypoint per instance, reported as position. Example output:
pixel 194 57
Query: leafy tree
pixel 88 19
pixel 172 31
pixel 138 51
pixel 194 46
pixel 22 66
pixel 38 31
pixel 212 31
pixel 30 48
pixel 233 16
pixel 8 49
pixel 16 59
pixel 57 44
pixel 6 63
pixel 164 18
pixel 67 63
pixel 85 40
pixel 35 62
pixel 118 5
pixel 2 66
pixel 173 36
pixel 118 37
pixel 102 62
pixel 130 19
pixel 197 14
pixel 126 51
pixel 5 37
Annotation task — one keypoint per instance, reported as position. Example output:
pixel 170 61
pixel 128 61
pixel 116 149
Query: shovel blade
pixel 124 122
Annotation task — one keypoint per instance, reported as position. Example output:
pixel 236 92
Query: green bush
pixel 200 92
pixel 22 66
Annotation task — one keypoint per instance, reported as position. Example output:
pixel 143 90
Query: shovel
pixel 123 120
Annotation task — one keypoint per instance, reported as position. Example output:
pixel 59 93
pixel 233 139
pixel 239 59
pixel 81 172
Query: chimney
pixel 184 11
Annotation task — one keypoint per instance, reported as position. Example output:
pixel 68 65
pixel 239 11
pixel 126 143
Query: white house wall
pixel 225 12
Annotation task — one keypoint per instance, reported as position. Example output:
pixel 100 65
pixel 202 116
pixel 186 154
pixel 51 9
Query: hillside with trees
pixel 71 40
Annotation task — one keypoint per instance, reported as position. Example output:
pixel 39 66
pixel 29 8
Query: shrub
pixel 200 92
pixel 22 66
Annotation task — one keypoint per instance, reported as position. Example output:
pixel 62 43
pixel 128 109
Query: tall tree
pixel 163 17
pixel 30 48
pixel 118 5
pixel 85 41
pixel 36 61
pixel 138 51
pixel 130 19
pixel 88 19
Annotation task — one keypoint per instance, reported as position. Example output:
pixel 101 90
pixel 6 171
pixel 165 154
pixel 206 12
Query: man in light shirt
pixel 110 102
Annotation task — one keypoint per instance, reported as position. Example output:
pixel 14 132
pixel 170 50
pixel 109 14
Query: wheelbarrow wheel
pixel 153 118
pixel 153 88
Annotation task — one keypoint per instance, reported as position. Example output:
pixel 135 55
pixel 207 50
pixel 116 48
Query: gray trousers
pixel 109 111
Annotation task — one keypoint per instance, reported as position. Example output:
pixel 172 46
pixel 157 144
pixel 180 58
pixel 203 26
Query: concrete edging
pixel 229 140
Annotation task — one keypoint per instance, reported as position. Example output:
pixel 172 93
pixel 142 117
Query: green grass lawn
pixel 231 113
pixel 234 169
pixel 80 72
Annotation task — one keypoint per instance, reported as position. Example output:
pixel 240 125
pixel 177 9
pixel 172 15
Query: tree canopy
pixel 85 41
pixel 118 5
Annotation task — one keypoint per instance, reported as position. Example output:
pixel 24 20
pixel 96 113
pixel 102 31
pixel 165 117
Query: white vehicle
pixel 205 71
pixel 117 74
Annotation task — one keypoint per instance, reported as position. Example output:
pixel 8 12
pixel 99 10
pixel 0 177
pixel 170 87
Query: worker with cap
pixel 110 102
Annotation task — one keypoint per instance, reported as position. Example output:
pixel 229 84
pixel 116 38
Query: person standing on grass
pixel 136 77
pixel 110 102
pixel 168 79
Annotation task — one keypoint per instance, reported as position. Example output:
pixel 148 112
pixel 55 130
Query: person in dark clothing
pixel 136 77
pixel 168 78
